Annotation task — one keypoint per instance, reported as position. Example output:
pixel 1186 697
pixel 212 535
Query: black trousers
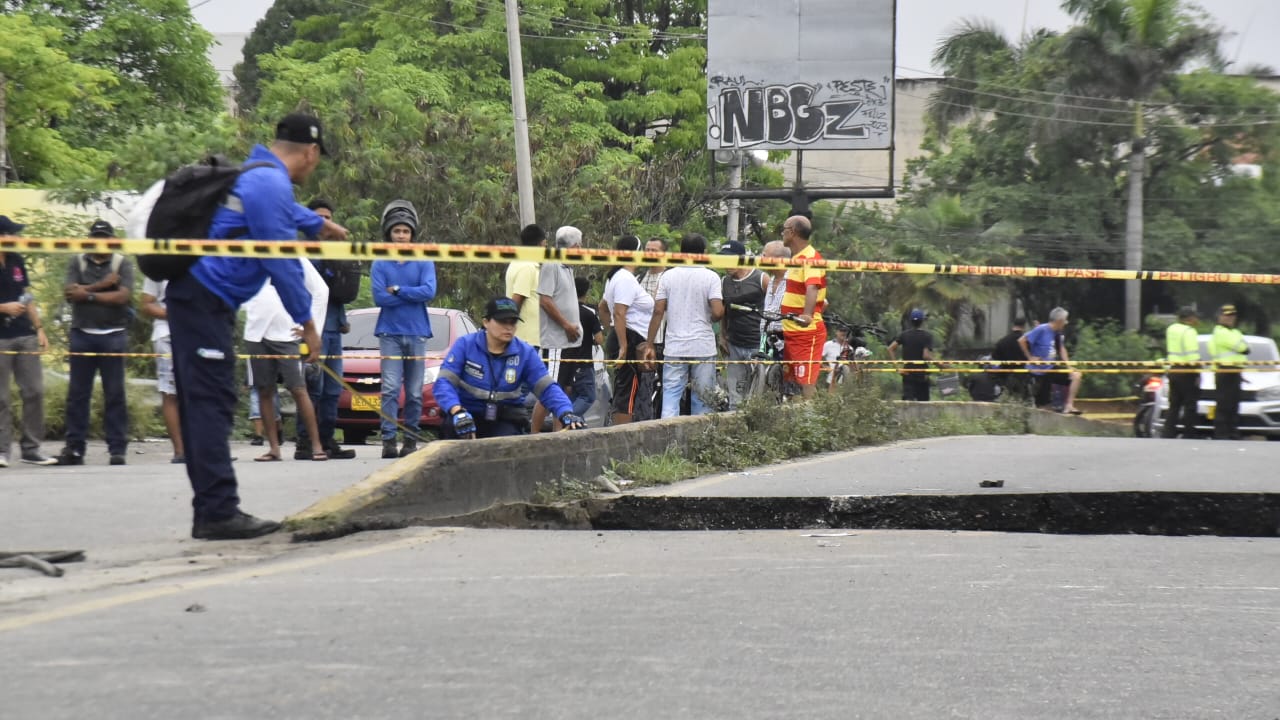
pixel 915 386
pixel 1226 423
pixel 204 366
pixel 1184 392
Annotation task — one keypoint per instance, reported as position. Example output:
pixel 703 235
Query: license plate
pixel 366 403
pixel 1211 412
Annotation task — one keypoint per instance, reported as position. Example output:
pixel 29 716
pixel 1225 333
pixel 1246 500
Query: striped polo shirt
pixel 798 279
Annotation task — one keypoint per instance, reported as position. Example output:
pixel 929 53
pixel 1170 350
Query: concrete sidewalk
pixel 135 520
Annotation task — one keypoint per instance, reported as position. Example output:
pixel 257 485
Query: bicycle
pixel 765 376
pixel 849 359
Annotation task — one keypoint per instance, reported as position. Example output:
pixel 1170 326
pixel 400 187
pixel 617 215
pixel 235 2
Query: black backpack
pixel 343 279
pixel 185 208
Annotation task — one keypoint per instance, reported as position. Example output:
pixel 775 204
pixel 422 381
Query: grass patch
pixel 563 489
pixel 763 433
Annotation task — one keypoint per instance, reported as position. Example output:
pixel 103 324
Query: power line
pixel 1080 121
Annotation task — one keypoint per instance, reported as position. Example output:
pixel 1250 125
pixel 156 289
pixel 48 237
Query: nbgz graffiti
pixel 855 111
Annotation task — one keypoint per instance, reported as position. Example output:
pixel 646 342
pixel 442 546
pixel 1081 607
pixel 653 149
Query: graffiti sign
pixel 745 114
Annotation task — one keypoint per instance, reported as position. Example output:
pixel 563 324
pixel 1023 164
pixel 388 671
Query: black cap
pixel 733 247
pixel 101 228
pixel 501 308
pixel 301 128
pixel 1187 312
pixel 9 227
pixel 1227 310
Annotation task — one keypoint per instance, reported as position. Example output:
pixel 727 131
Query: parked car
pixel 361 369
pixel 1259 394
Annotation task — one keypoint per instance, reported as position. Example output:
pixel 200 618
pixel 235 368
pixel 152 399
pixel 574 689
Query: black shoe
pixel 240 526
pixel 410 446
pixel 389 449
pixel 35 457
pixel 337 452
pixel 70 457
pixel 181 460
pixel 302 454
pixel 117 459
pixel 257 440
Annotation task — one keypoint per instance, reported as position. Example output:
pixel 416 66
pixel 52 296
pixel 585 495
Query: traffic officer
pixel 1182 350
pixel 1228 349
pixel 202 317
pixel 486 374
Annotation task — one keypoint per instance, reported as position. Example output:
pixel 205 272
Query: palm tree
pixel 1132 50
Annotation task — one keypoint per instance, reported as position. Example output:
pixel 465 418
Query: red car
pixel 361 369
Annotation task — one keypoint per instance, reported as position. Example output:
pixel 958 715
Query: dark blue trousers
pixel 204 366
pixel 324 391
pixel 115 416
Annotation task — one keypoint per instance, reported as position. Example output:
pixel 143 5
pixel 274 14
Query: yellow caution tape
pixel 333 250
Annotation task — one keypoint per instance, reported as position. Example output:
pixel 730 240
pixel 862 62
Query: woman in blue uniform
pixel 485 377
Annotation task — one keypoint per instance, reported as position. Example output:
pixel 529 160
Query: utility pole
pixel 524 159
pixel 4 135
pixel 735 183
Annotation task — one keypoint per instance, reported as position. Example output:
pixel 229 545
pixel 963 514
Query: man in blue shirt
pixel 486 374
pixel 1047 342
pixel 402 288
pixel 202 316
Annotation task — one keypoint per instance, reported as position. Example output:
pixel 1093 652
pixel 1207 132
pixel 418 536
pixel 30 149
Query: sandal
pixel 268 457
pixel 319 456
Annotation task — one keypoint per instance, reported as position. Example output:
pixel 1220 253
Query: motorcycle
pixel 1147 389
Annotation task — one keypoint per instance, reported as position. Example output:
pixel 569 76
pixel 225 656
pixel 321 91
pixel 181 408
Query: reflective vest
pixel 1182 344
pixel 1227 346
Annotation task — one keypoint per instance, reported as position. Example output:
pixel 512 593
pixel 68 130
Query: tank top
pixel 743 330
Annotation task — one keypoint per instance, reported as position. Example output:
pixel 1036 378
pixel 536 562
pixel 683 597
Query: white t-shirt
pixel 689 292
pixel 154 288
pixel 624 289
pixel 266 318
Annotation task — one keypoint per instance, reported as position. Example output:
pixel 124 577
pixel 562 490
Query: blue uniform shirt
pixel 269 213
pixel 471 375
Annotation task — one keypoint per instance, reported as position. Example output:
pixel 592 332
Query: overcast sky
pixel 921 23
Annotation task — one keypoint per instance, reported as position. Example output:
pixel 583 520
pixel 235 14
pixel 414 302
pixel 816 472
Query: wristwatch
pixel 93 298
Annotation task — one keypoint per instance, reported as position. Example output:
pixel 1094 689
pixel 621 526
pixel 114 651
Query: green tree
pixel 1133 50
pixel 43 84
pixel 287 22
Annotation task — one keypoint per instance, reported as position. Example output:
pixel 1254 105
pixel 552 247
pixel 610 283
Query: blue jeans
pixel 324 390
pixel 677 373
pixel 582 388
pixel 115 417
pixel 399 371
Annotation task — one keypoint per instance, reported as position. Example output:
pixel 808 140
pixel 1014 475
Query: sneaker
pixel 181 460
pixel 117 459
pixel 410 446
pixel 389 449
pixel 35 457
pixel 337 452
pixel 302 454
pixel 237 527
pixel 70 457
pixel 257 440
pixel 4 461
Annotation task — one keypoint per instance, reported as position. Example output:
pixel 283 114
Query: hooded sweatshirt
pixel 405 311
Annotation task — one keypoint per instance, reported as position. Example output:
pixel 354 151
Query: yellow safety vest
pixel 1182 343
pixel 1227 346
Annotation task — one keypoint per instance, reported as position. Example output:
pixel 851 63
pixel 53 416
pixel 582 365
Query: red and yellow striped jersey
pixel 798 279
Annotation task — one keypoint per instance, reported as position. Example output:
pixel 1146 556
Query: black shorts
pixel 626 377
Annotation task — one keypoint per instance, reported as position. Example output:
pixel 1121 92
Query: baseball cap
pixel 501 308
pixel 1227 310
pixel 9 227
pixel 301 128
pixel 733 247
pixel 1187 311
pixel 101 228
pixel 917 315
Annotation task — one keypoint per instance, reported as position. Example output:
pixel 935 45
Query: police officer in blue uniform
pixel 202 315
pixel 486 374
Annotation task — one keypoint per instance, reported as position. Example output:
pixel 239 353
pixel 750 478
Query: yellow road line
pixel 180 586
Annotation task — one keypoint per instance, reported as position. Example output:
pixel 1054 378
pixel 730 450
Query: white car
pixel 1259 394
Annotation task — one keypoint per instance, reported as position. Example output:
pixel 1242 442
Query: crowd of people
pixel 530 368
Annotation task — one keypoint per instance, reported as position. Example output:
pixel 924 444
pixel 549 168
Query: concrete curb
pixel 455 479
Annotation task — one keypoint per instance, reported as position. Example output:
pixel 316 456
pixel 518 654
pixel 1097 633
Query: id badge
pixel 491 412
